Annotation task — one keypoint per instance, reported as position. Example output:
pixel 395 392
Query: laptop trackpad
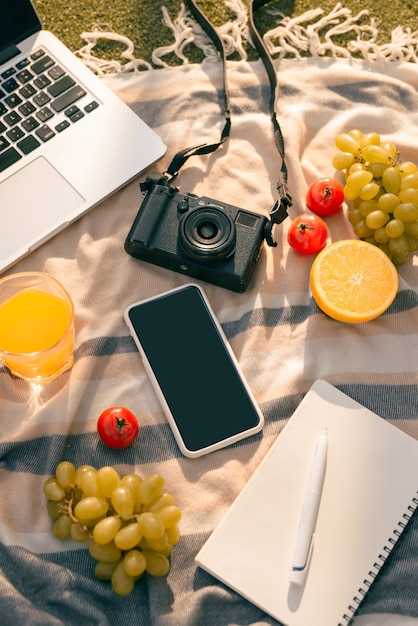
pixel 35 203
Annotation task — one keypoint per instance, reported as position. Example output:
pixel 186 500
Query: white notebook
pixel 369 493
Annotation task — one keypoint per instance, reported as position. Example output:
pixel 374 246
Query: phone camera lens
pixel 207 234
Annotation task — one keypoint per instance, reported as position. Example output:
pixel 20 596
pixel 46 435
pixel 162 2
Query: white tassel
pixel 310 34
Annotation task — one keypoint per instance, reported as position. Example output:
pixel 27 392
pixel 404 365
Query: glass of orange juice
pixel 36 326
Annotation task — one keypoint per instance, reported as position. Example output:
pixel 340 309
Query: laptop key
pixel 23 63
pixel 62 126
pixel 70 96
pixel 42 81
pixel 44 63
pixel 26 108
pixel 15 133
pixel 37 54
pixel 64 83
pixel 91 106
pixel 44 114
pixel 28 144
pixel 27 91
pixel 24 76
pixel 30 124
pixel 4 143
pixel 13 100
pixel 45 133
pixel 41 99
pixel 10 85
pixel 9 157
pixel 12 118
pixel 9 72
pixel 56 72
pixel 2 127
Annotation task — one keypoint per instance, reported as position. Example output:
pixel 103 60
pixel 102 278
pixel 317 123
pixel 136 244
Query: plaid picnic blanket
pixel 281 339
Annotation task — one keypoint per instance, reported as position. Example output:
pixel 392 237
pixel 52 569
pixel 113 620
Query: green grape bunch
pixel 130 523
pixel 382 192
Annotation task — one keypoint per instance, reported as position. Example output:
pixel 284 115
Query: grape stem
pixel 67 509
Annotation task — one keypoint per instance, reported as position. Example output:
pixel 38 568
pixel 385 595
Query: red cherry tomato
pixel 307 234
pixel 325 196
pixel 117 427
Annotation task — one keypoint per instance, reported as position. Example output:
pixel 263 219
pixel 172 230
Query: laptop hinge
pixel 8 53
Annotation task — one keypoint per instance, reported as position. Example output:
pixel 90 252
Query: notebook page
pixel 371 479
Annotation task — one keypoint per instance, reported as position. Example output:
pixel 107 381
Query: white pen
pixel 307 523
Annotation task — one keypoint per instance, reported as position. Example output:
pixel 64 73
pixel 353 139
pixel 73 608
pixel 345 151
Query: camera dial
pixel 207 233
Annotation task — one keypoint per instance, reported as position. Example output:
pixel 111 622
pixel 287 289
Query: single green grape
pixel 173 534
pixel 88 483
pixel 80 471
pixel 375 154
pixel 166 499
pixel 388 202
pixel 129 536
pixel 53 490
pixel 134 563
pixel 398 246
pixel 169 515
pixel 406 212
pixel 105 530
pixel 410 180
pixel 412 228
pixel 160 544
pixel 407 167
pixel 107 553
pixel 151 525
pixel 122 583
pixel 104 571
pixel 347 143
pixel 123 502
pixel 343 160
pixel 380 235
pixel 65 473
pixel 62 528
pixel 391 180
pixel 362 230
pixel 394 228
pixel 151 488
pixel 157 563
pixel 90 509
pixel 412 242
pixel 376 219
pixel 107 480
pixel 390 148
pixel 408 194
pixel 370 139
pixel 54 508
pixel 132 482
pixel 369 191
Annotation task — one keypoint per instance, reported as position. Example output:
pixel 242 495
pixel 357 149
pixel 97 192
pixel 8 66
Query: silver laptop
pixel 66 141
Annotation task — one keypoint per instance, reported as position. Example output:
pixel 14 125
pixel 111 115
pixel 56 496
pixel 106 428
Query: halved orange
pixel 353 281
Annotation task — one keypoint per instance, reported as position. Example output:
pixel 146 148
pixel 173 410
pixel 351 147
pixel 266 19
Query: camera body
pixel 197 236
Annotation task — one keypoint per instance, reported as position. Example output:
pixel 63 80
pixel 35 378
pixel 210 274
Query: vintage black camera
pixel 196 236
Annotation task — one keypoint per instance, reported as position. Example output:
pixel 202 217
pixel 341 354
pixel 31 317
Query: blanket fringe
pixel 310 34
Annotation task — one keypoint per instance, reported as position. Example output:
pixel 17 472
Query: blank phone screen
pixel 206 395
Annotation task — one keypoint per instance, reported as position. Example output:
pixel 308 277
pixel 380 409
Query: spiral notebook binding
pixel 377 566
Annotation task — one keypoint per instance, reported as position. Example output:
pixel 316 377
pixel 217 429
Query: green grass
pixel 141 20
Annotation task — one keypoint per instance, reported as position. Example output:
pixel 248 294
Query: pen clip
pixel 298 574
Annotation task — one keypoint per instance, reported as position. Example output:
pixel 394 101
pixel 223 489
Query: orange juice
pixel 37 333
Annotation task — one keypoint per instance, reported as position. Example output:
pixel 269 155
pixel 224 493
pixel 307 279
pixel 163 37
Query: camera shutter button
pixel 183 205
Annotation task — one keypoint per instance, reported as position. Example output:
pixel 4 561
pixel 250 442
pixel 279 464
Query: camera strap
pixel 279 210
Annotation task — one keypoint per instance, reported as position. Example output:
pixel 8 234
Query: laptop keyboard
pixel 37 102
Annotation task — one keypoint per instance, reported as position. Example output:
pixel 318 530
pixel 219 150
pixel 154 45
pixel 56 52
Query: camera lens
pixel 207 233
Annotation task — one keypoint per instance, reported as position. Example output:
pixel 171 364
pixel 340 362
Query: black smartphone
pixel 197 378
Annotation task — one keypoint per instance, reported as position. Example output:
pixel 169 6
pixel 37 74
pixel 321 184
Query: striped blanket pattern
pixel 281 339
